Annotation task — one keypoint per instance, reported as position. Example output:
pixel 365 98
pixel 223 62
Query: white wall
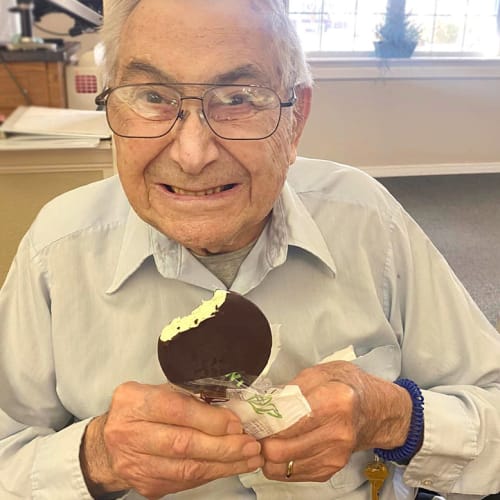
pixel 10 24
pixel 407 117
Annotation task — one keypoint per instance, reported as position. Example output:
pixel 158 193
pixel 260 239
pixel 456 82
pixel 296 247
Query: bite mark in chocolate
pixel 226 334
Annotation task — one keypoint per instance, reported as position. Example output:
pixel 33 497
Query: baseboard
pixel 431 169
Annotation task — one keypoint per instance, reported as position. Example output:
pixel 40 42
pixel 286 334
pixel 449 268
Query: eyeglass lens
pixel 232 111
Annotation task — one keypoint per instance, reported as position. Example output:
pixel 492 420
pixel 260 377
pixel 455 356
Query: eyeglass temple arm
pixel 289 103
pixel 100 100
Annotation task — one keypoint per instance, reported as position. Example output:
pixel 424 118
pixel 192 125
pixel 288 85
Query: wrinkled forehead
pixel 197 40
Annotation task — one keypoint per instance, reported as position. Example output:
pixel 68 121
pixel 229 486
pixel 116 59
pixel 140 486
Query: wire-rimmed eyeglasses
pixel 234 112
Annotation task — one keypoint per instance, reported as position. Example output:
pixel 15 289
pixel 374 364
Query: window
pixel 449 27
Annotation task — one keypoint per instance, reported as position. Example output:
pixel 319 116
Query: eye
pixel 263 99
pixel 235 103
pixel 237 99
pixel 152 97
pixel 253 97
pixel 249 97
pixel 154 103
pixel 149 96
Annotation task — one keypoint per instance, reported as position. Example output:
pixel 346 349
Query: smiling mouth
pixel 204 192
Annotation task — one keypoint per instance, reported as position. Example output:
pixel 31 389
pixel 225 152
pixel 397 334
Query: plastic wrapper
pixel 263 409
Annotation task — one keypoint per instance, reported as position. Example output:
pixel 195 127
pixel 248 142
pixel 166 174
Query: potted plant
pixel 398 35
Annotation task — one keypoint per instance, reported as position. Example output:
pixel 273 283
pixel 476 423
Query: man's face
pixel 210 194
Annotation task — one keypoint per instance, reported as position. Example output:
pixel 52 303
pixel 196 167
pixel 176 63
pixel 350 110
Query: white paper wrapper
pixel 264 413
pixel 265 410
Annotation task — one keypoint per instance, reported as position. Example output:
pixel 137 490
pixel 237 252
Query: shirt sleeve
pixel 451 350
pixel 39 444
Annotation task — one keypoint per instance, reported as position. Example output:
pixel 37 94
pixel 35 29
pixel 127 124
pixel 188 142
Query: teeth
pixel 206 192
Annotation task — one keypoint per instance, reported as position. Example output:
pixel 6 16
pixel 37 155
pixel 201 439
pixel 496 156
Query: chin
pixel 198 242
pixel 209 235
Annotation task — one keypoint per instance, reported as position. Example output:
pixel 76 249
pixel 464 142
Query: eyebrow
pixel 249 71
pixel 141 68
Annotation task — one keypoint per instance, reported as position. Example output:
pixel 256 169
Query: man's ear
pixel 301 110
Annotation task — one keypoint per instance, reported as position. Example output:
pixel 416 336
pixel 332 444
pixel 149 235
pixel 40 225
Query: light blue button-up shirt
pixel 340 263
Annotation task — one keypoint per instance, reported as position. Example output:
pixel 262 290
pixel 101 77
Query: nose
pixel 193 143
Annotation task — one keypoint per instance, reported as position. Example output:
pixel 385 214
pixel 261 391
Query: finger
pixel 181 442
pixel 318 468
pixel 188 470
pixel 318 441
pixel 181 409
pixel 154 476
pixel 163 404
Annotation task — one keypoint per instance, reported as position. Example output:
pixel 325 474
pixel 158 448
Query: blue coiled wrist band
pixel 404 453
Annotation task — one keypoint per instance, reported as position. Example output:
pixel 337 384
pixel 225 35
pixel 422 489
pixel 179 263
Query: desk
pixel 40 72
pixel 28 179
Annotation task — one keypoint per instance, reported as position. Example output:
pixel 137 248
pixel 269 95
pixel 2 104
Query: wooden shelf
pixel 43 81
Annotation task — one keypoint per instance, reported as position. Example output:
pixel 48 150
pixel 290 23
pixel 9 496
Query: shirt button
pixel 427 482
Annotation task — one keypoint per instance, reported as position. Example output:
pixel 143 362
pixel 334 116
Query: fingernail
pixel 251 449
pixel 255 462
pixel 234 428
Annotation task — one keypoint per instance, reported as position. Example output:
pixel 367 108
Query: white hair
pixel 292 66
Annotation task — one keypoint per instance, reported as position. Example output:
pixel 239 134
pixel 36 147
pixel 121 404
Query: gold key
pixel 376 472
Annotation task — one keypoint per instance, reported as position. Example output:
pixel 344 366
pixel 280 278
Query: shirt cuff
pixel 440 462
pixel 56 469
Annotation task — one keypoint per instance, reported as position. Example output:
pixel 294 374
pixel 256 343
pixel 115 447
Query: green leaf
pixel 263 405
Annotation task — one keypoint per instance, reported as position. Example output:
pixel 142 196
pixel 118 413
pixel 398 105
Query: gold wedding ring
pixel 289 469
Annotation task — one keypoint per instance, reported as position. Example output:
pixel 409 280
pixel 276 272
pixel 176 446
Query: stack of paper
pixel 37 127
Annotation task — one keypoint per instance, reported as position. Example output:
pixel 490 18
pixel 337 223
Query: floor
pixel 461 214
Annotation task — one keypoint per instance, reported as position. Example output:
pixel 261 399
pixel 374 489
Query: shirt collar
pixel 141 241
pixel 291 225
pixel 135 249
pixel 302 230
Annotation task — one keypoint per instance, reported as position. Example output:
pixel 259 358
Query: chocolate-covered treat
pixel 226 338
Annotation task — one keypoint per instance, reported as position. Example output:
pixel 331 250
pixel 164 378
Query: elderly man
pixel 207 101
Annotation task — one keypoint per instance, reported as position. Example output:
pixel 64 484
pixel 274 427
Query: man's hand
pixel 158 441
pixel 351 411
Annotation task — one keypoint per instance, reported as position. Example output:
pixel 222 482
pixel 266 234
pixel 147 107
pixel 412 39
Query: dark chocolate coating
pixel 236 339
